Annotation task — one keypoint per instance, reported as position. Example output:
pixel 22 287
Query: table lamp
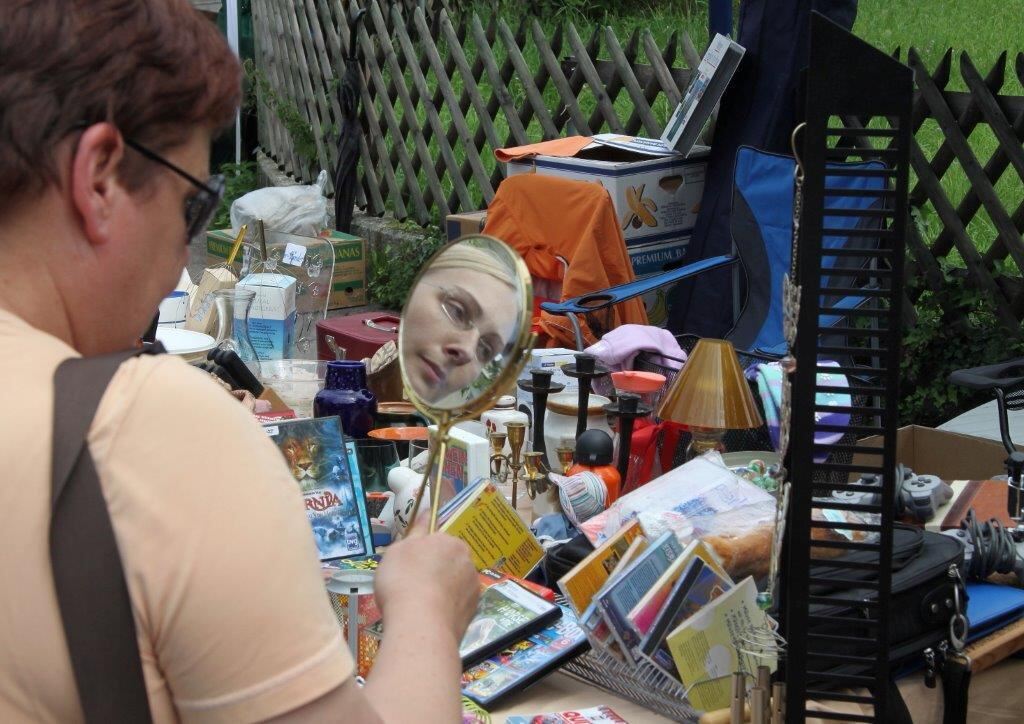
pixel 710 396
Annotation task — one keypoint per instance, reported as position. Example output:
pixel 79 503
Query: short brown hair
pixel 154 68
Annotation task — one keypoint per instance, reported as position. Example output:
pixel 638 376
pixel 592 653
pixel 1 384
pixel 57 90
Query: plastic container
pixel 296 381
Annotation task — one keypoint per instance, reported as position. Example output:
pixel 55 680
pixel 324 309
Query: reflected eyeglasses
pixel 461 317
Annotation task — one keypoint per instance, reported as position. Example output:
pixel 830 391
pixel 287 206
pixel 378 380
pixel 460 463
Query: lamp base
pixel 704 439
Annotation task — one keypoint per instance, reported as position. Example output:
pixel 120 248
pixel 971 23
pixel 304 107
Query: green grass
pixel 983 29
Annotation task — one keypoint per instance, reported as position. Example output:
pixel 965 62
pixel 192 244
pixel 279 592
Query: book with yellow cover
pixel 497 537
pixel 705 647
pixel 581 583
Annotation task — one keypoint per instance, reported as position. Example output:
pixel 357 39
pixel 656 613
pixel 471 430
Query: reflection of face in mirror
pixel 459 322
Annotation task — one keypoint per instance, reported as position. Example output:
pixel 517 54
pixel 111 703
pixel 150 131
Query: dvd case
pixel 318 458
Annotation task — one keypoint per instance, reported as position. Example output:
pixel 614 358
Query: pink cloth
pixel 619 347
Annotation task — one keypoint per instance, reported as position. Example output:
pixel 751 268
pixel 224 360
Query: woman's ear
pixel 94 185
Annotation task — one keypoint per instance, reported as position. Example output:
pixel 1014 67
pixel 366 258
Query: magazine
pixel 594 715
pixel 335 505
pixel 506 613
pixel 527 660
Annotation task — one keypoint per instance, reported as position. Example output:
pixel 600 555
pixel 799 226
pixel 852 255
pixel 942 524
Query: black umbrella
pixel 348 133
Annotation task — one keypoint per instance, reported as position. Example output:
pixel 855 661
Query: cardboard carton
pixel 348 284
pixel 272 317
pixel 651 259
pixel 656 198
pixel 471 222
pixel 949 455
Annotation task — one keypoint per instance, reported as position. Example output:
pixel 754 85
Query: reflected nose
pixel 459 350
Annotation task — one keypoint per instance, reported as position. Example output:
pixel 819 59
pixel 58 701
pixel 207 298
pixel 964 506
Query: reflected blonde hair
pixel 466 256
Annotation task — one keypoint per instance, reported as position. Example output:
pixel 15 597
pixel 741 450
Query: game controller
pixel 1010 557
pixel 921 495
pixel 918 496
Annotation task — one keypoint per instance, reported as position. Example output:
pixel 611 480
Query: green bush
pixel 957 327
pixel 239 179
pixel 393 267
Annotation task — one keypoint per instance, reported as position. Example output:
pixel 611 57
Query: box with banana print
pixel 651 259
pixel 656 198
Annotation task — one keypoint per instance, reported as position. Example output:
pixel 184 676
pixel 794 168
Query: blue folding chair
pixel 762 229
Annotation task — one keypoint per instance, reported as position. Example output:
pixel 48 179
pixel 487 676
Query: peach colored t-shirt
pixel 232 618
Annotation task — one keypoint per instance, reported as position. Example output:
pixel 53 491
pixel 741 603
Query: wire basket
pixel 644 685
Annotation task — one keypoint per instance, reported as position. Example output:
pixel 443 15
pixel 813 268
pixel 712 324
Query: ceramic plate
pixel 183 341
pixel 400 433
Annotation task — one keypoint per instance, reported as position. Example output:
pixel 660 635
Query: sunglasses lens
pixel 202 207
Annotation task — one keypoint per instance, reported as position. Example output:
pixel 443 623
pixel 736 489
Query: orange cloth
pixel 564 147
pixel 542 217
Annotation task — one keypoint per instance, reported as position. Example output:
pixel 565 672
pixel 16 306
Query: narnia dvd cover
pixel 316 454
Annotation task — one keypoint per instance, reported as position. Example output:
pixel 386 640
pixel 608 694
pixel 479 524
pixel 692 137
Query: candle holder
pixel 627 408
pixel 516 432
pixel 565 458
pixel 540 386
pixel 586 369
pixel 536 476
pixel 499 460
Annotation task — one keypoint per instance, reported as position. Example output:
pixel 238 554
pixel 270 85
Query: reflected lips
pixel 433 372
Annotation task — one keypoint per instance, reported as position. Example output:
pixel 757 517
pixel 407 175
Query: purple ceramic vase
pixel 346 395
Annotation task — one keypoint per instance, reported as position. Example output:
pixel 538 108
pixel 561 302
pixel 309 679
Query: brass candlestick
pixel 565 455
pixel 536 477
pixel 516 432
pixel 499 460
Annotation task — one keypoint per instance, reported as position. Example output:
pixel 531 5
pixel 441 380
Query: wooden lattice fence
pixel 442 89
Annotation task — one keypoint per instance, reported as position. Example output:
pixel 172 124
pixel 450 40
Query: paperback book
pixel 497 537
pixel 319 461
pixel 706 647
pixel 506 613
pixel 525 661
pixel 646 611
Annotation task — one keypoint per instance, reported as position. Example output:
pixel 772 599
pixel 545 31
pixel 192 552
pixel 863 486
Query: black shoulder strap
pixel 91 590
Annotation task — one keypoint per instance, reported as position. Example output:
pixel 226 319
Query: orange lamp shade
pixel 711 391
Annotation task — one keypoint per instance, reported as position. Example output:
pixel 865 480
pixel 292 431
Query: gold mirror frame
pixel 444 418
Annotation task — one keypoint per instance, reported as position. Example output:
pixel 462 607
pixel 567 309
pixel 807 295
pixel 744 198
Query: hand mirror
pixel 464 337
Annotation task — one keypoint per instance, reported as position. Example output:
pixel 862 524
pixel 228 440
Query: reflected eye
pixel 457 312
pixel 486 350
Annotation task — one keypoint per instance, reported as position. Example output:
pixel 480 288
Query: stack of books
pixel 656 603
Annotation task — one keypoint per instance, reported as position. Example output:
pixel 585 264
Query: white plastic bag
pixel 300 210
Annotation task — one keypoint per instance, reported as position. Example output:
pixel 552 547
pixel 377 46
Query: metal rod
pixel 353 622
pixel 435 489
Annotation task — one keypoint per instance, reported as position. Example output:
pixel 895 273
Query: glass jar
pixel 233 307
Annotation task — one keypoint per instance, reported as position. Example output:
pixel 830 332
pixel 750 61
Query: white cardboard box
pixel 651 259
pixel 272 318
pixel 554 359
pixel 656 199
